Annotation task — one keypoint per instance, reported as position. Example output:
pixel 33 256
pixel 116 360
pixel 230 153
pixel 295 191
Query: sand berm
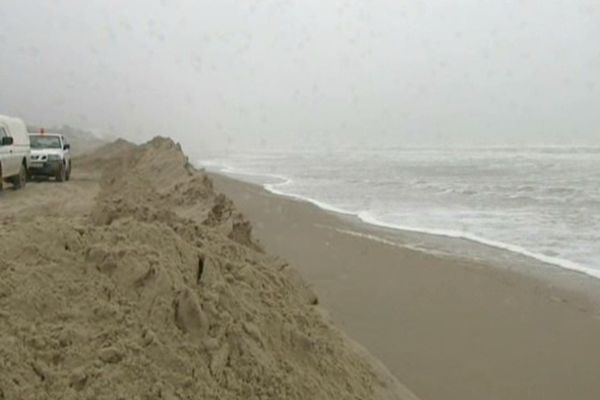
pixel 136 280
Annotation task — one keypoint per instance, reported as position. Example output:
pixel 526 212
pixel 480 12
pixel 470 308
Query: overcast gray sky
pixel 279 73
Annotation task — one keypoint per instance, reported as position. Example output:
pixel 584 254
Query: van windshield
pixel 44 142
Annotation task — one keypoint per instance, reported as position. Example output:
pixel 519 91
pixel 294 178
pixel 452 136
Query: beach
pixel 143 276
pixel 448 327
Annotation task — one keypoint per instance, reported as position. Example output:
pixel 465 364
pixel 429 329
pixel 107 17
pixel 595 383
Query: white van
pixel 15 152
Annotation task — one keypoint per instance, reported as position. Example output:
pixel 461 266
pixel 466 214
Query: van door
pixel 6 155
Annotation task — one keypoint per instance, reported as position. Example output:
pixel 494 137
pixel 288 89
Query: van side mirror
pixel 66 146
pixel 7 140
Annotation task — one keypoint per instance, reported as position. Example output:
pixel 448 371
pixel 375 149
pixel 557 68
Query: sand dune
pixel 136 280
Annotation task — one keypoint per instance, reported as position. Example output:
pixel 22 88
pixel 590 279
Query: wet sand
pixel 447 327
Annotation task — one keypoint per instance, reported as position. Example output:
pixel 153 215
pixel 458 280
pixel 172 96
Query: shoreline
pixel 363 217
pixel 450 327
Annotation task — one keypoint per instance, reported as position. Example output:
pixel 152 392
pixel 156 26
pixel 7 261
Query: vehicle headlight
pixel 53 157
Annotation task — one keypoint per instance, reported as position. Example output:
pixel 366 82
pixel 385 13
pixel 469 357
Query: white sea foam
pixel 276 189
pixel 368 218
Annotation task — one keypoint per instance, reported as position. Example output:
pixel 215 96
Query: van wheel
pixel 68 174
pixel 20 180
pixel 61 175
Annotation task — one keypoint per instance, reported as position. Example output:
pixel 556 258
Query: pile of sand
pixel 160 292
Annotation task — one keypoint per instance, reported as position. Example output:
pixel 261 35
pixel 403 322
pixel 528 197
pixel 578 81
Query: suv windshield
pixel 44 142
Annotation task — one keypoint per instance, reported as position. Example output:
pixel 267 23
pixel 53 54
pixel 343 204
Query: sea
pixel 540 202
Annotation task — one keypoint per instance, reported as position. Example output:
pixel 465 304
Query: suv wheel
pixel 61 174
pixel 68 174
pixel 20 180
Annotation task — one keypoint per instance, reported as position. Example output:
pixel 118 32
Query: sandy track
pixel 50 198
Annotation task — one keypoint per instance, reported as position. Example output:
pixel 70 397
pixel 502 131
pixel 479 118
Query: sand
pixel 137 280
pixel 448 327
